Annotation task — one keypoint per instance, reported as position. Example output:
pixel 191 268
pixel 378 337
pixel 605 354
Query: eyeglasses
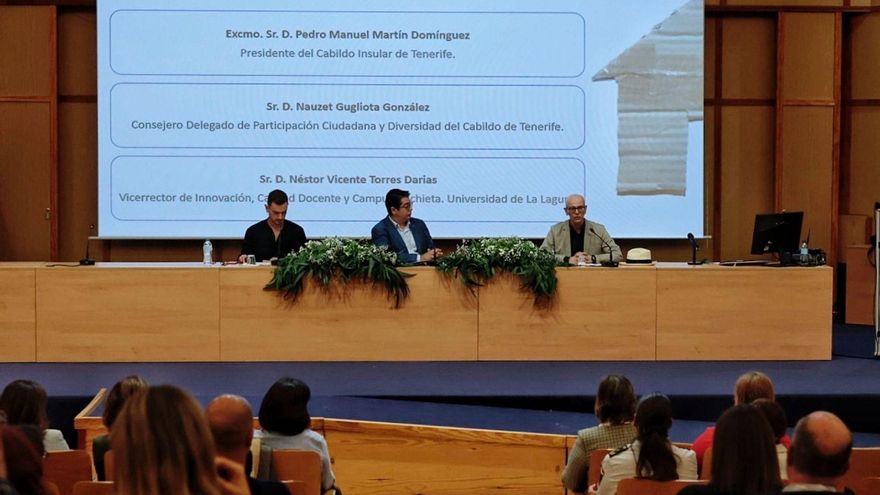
pixel 405 206
pixel 574 209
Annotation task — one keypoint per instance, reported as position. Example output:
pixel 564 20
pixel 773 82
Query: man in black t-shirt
pixel 274 237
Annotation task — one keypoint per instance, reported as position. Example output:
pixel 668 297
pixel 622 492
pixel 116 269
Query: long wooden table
pixel 190 312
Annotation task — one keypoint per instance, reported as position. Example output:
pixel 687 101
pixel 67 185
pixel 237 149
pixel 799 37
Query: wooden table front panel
pixel 353 322
pixel 387 459
pixel 95 314
pixel 743 313
pixel 18 319
pixel 597 314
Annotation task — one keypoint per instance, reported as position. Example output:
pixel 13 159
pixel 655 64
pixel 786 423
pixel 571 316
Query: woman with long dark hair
pixel 614 407
pixel 743 456
pixel 651 456
pixel 24 403
pixel 284 419
pixel 119 393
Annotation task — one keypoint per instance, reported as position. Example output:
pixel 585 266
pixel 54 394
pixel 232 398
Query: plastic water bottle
pixel 805 253
pixel 208 253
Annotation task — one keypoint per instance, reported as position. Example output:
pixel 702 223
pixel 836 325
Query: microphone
pixel 88 261
pixel 694 248
pixel 610 263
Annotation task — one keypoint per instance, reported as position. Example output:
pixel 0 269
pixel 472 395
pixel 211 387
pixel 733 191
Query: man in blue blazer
pixel 407 236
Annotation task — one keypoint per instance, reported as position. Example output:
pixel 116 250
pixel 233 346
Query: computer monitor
pixel 777 232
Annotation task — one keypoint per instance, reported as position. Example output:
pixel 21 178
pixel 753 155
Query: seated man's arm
pixel 549 244
pixel 247 247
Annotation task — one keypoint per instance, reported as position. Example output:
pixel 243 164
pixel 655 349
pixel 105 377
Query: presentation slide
pixel 490 113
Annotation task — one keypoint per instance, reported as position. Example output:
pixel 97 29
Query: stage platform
pixel 542 397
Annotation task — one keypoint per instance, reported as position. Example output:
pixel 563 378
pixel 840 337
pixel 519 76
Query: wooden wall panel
pixel 346 320
pixel 749 55
pixel 864 37
pixel 390 459
pixel 585 314
pixel 785 3
pixel 78 174
pixel 808 62
pixel 747 154
pixel 710 38
pixel 77 55
pixel 26 60
pixel 693 303
pixel 709 201
pixel 863 177
pixel 18 318
pixel 807 171
pixel 25 155
pixel 113 318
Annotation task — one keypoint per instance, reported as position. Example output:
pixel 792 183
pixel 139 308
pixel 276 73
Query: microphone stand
pixel 88 261
pixel 610 263
pixel 694 248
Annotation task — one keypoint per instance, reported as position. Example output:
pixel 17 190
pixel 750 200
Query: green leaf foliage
pixel 346 259
pixel 476 261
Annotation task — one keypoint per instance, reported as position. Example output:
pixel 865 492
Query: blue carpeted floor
pixel 547 397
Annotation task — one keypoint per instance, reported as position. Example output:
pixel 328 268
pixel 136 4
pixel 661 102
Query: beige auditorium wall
pixel 861 179
pixel 805 143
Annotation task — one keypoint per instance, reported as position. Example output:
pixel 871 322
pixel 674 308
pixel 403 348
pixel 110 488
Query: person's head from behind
pixel 752 386
pixel 615 400
pixel 119 393
pixel 775 415
pixel 162 444
pixel 744 453
pixel 653 421
pixel 276 207
pixel 231 421
pixel 820 449
pixel 24 402
pixel 284 409
pixel 24 466
pixel 398 205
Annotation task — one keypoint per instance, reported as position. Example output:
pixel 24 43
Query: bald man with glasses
pixel 578 240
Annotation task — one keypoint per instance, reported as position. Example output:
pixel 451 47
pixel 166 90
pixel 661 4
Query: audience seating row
pixel 70 472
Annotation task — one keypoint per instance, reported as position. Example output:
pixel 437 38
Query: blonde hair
pixel 752 386
pixel 162 444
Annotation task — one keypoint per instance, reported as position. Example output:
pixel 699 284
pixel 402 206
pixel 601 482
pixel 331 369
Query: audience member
pixel 819 454
pixel 23 466
pixel 614 407
pixel 34 436
pixel 162 444
pixel 231 421
pixel 119 393
pixel 779 423
pixel 651 455
pixel 284 419
pixel 24 402
pixel 749 387
pixel 743 456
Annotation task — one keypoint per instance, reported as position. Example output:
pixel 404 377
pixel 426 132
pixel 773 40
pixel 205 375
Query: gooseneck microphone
pixel 88 261
pixel 610 263
pixel 694 248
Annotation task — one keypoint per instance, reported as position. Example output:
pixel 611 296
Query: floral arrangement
pixel 347 259
pixel 475 262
